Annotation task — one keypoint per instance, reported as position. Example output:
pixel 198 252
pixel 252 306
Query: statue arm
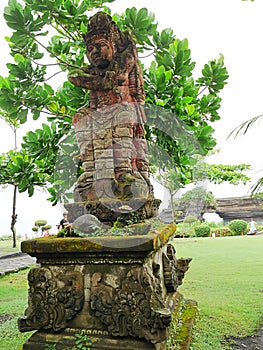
pixel 83 78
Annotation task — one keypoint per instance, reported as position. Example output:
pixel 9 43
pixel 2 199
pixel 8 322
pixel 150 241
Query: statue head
pixel 101 39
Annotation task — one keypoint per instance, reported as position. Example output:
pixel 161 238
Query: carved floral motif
pixel 53 299
pixel 140 305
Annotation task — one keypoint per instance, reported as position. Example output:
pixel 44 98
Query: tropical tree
pixel 219 173
pixel 14 125
pixel 47 44
pixel 42 226
pixel 194 201
pixel 171 180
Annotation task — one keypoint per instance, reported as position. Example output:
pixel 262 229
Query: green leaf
pixel 190 109
pixel 22 116
pixel 83 28
pixel 46 129
pixel 19 58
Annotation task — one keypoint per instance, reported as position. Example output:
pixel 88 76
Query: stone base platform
pixel 117 292
pixel 64 341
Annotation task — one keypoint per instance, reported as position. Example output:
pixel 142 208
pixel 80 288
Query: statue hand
pixel 78 77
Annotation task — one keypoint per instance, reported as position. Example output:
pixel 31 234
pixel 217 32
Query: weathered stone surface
pixel 240 208
pixel 173 269
pixel 110 131
pixel 100 341
pixel 86 225
pixel 128 286
pixel 54 299
pixel 108 211
pixel 228 209
pixel 181 330
pixel 78 247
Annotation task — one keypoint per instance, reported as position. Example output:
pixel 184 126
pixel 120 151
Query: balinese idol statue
pixel 110 129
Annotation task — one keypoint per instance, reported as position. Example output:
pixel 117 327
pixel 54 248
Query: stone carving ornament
pixel 53 299
pixel 141 303
pixel 134 309
pixel 173 269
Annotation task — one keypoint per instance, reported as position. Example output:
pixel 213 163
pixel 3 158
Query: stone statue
pixel 110 130
pixel 118 292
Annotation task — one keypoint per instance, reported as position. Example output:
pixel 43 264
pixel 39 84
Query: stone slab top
pixel 79 246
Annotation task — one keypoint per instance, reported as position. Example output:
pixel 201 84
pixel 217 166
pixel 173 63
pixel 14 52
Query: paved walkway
pixel 15 262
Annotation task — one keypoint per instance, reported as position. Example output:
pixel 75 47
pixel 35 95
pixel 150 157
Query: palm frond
pixel 257 187
pixel 244 127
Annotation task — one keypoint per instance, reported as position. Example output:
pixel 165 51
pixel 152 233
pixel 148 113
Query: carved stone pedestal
pixel 113 292
pixel 108 212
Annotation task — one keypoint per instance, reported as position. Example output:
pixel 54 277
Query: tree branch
pixel 52 76
pixel 199 93
pixel 52 53
pixel 69 34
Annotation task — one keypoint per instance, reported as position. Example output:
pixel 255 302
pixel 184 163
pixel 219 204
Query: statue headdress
pixel 102 25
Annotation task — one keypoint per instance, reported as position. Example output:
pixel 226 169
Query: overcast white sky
pixel 230 27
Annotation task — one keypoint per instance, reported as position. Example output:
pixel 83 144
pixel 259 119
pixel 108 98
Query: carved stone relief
pixel 173 269
pixel 53 299
pixel 139 306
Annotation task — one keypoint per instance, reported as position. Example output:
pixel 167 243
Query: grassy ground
pixel 13 301
pixel 225 277
pixel 6 246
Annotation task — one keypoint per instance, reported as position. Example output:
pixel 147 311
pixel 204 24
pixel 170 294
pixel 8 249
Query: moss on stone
pixel 181 329
pixel 76 245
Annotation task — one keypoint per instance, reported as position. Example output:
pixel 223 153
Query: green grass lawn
pixel 226 279
pixel 6 246
pixel 13 302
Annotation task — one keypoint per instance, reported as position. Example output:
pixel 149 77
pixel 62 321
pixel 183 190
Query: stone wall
pixel 228 209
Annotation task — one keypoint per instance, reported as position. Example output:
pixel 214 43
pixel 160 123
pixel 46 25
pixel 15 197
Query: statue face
pixel 100 53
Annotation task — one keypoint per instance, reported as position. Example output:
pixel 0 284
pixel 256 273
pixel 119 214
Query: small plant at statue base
pixel 83 342
pixel 50 347
pixel 202 230
pixel 238 227
pixel 67 232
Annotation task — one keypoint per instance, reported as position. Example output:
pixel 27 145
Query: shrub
pixel 181 234
pixel 40 223
pixel 190 219
pixel 222 231
pixel 202 230
pixel 238 227
pixel 5 238
pixel 185 229
pixel 45 228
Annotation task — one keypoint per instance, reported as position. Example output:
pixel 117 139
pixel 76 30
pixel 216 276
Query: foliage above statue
pixel 169 83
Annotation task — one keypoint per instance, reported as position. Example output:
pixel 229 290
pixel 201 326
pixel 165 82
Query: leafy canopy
pixel 46 44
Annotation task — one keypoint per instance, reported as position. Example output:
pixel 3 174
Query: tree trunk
pixel 14 216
